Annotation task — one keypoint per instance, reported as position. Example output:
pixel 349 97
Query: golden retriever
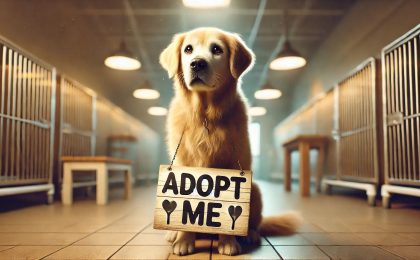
pixel 206 65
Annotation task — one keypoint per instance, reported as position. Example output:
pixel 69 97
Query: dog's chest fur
pixel 213 146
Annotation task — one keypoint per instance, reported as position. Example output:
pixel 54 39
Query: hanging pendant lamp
pixel 267 92
pixel 257 111
pixel 157 111
pixel 288 58
pixel 146 92
pixel 122 59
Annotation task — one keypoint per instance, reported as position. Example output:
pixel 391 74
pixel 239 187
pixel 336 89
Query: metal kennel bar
pixel 357 146
pixel 77 126
pixel 356 131
pixel 401 108
pixel 27 111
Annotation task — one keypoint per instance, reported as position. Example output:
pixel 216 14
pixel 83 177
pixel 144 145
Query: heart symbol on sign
pixel 169 207
pixel 234 213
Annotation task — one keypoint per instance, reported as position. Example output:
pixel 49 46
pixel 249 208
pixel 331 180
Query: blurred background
pixel 332 36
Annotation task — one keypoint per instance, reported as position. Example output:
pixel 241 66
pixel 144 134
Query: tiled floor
pixel 341 226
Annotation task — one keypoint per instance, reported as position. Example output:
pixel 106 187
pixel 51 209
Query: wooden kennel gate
pixel 401 107
pixel 27 107
pixel 357 131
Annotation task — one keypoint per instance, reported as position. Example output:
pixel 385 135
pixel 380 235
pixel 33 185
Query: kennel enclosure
pixel 346 116
pixel 356 131
pixel 27 113
pixel 401 112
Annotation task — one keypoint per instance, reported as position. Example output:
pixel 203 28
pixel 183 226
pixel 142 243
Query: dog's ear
pixel 170 57
pixel 241 57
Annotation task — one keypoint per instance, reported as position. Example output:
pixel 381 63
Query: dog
pixel 209 110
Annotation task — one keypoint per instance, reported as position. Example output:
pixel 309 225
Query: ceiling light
pixel 122 59
pixel 157 111
pixel 267 92
pixel 146 92
pixel 287 59
pixel 206 3
pixel 257 111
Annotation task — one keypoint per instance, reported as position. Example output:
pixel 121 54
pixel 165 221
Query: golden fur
pixel 225 110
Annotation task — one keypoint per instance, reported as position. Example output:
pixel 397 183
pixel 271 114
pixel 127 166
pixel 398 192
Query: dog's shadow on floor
pixel 248 249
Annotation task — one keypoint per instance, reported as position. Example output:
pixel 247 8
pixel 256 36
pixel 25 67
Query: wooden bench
pixel 102 165
pixel 303 144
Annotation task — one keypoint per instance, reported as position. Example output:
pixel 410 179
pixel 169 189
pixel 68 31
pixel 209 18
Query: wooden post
pixel 67 190
pixel 101 184
pixel 128 185
pixel 287 169
pixel 304 175
pixel 320 166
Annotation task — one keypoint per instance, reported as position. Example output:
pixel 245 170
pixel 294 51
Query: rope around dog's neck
pixel 179 144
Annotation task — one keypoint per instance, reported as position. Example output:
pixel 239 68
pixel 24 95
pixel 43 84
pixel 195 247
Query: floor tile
pixel 358 252
pixel 84 252
pixel 334 239
pixel 39 239
pixel 250 252
pixel 387 239
pixel 331 226
pixel 149 240
pixel 300 252
pixel 123 228
pixel 105 239
pixel 309 227
pixel 293 240
pixel 28 252
pixel 151 230
pixel 364 228
pixel 407 252
pixel 143 252
pixel 32 228
pixel 414 236
pixel 82 227
pixel 401 228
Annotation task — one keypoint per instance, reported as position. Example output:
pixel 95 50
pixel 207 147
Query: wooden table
pixel 303 144
pixel 100 164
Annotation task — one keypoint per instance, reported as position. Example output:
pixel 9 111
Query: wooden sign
pixel 203 200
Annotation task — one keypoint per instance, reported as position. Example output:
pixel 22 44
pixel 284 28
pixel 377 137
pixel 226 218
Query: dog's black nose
pixel 198 65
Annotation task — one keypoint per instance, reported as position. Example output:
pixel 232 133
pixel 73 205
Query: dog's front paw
pixel 184 243
pixel 228 245
pixel 171 236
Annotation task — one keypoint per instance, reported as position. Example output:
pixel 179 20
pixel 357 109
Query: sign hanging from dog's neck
pixel 203 200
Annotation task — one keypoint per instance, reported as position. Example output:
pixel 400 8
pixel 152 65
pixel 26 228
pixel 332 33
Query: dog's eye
pixel 216 49
pixel 188 49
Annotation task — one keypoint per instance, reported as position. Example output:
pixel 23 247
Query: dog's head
pixel 206 58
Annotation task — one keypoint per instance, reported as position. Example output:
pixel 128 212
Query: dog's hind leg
pixel 255 216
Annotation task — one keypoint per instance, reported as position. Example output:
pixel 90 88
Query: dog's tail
pixel 284 224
